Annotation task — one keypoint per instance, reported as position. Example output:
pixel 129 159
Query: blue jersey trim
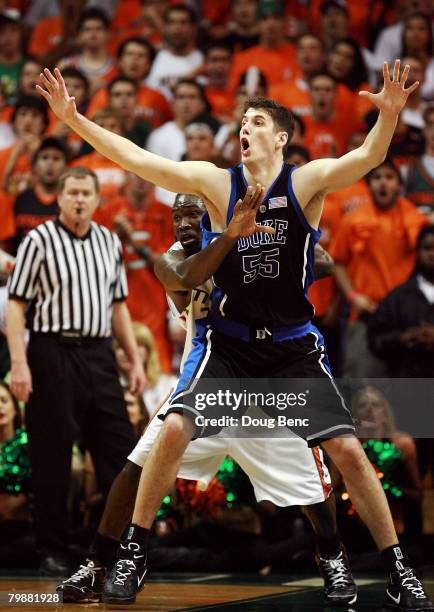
pixel 316 233
pixel 233 196
pixel 270 189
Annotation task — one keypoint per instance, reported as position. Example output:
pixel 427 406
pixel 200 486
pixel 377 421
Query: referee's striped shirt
pixel 71 281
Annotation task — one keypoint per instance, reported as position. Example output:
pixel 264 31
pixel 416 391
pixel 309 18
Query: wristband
pixel 143 252
pixel 352 296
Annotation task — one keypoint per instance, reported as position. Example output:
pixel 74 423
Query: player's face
pixel 384 186
pixel 425 255
pixel 259 138
pixel 7 408
pixel 186 227
pixel 49 166
pixel 78 201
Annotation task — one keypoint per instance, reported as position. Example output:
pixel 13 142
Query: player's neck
pixel 264 174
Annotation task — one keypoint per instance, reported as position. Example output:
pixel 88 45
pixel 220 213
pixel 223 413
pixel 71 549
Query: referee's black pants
pixel 76 396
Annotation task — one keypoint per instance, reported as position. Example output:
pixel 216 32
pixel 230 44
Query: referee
pixel 69 284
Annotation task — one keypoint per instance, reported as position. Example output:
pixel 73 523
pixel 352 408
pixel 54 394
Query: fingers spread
pixel 265 229
pixel 410 89
pixel 396 70
pixel 386 73
pixel 49 76
pixel 405 74
pixel 43 93
pixel 45 82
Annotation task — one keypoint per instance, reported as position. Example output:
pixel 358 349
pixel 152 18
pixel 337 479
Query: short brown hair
pixel 282 117
pixel 79 172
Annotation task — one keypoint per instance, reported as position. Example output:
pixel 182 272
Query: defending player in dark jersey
pixel 266 130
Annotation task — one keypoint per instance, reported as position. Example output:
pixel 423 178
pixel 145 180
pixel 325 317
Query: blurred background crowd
pixel 173 78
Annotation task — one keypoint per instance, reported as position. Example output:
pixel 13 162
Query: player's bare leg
pixel 404 591
pixel 158 474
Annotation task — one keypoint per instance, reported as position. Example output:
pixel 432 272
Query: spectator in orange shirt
pixel 347 66
pixel 39 203
pixel 334 22
pixel 78 86
pixel 111 177
pixel 29 120
pixel 217 69
pixel 274 57
pixel 374 252
pixel 134 61
pixel 327 131
pixel 55 37
pixel 123 100
pixel 295 94
pixel 93 59
pixel 242 30
pixel 145 228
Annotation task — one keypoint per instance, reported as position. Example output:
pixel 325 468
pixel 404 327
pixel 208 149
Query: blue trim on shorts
pixel 193 361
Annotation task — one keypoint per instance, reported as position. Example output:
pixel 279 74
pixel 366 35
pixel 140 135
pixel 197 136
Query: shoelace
pixel 336 570
pixel 120 575
pixel 412 584
pixel 83 572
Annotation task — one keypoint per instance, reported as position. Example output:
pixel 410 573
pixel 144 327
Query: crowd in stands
pixel 173 78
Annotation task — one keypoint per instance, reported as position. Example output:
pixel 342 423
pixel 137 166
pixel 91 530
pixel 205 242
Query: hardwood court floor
pixel 235 593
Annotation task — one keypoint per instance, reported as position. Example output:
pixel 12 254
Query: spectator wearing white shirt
pixel 179 57
pixel 169 139
pixel 417 41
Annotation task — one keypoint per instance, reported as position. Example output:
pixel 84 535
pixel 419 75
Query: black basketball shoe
pixel 127 576
pixel 85 586
pixel 405 591
pixel 339 586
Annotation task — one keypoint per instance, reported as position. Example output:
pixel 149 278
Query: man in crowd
pixel 401 331
pixel 145 228
pixel 71 272
pixel 374 251
pixel 179 58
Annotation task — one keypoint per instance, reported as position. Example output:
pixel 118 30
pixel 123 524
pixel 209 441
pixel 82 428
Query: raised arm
pixel 180 274
pixel 199 178
pixel 325 175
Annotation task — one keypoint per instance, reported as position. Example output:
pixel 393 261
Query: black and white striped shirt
pixel 71 281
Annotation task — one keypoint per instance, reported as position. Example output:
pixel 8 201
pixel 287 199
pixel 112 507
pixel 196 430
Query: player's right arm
pixel 178 273
pixel 198 178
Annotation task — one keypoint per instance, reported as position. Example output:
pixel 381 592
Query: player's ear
pixel 282 138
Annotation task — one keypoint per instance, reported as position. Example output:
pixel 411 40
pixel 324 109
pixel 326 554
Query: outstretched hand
pixel 243 222
pixel 392 98
pixel 53 89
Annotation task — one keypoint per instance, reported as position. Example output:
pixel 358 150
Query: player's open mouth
pixel 245 147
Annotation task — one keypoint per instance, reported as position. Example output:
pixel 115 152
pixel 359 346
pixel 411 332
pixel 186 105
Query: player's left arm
pixel 179 274
pixel 325 175
pixel 324 264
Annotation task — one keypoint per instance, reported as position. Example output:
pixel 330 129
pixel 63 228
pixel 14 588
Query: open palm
pixel 243 222
pixel 53 89
pixel 392 98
